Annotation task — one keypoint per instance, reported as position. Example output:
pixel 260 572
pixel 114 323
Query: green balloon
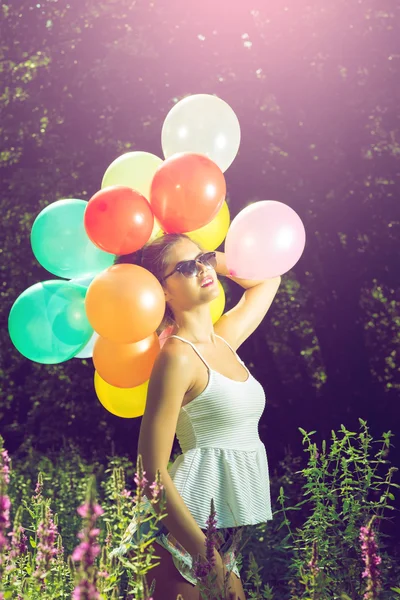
pixel 60 242
pixel 48 323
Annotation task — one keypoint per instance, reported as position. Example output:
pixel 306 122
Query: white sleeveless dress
pixel 222 454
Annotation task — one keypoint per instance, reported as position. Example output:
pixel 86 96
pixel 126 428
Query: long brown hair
pixel 153 256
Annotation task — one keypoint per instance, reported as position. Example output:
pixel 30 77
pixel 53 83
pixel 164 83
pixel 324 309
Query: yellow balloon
pixel 217 305
pixel 127 403
pixel 210 236
pixel 157 231
pixel 135 170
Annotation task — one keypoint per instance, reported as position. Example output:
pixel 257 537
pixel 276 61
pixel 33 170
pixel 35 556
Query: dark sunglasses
pixel 189 268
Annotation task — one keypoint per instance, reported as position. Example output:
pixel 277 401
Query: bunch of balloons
pixel 112 312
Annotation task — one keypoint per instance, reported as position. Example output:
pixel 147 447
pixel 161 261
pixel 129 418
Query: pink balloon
pixel 265 239
pixel 162 338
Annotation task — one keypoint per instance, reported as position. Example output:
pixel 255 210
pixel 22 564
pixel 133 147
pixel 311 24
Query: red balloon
pixel 187 192
pixel 118 219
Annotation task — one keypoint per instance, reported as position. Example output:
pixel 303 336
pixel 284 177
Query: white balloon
pixel 87 351
pixel 203 124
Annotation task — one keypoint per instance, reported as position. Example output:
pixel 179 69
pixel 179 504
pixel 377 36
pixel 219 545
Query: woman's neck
pixel 194 336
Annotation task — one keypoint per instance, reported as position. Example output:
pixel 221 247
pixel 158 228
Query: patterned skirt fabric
pixel 227 542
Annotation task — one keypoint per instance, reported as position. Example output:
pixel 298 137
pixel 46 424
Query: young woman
pixel 201 391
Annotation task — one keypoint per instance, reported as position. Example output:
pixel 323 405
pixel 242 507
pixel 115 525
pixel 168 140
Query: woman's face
pixel 186 292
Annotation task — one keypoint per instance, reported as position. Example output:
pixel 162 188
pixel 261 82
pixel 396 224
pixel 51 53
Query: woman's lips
pixel 208 281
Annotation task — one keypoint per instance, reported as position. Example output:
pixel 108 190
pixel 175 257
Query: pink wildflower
pixel 156 488
pixel 87 550
pixel 103 574
pixel 141 481
pixel 87 511
pixel 4 521
pixel 369 551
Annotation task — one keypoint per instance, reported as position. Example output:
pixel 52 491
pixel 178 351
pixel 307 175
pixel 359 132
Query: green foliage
pixel 344 485
pixel 311 548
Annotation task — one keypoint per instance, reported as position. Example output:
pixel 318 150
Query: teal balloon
pixel 48 323
pixel 60 242
pixel 85 281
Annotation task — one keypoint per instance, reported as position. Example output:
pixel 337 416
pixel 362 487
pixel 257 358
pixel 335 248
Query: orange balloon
pixel 118 219
pixel 125 365
pixel 187 192
pixel 125 303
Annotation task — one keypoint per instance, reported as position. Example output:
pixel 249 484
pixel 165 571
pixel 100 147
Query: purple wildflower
pixel 85 590
pixel 141 482
pixel 210 534
pixel 5 504
pixel 314 568
pixel 19 543
pixel 201 569
pixel 108 539
pixel 4 466
pixel 88 549
pixel 46 544
pixel 86 552
pixel 4 499
pixel 60 549
pixel 39 488
pixel 369 551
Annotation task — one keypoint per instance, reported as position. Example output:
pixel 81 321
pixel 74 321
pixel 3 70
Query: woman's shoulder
pixel 175 360
pixel 175 350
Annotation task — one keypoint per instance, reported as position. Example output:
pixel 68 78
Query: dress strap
pixel 234 351
pixel 194 348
